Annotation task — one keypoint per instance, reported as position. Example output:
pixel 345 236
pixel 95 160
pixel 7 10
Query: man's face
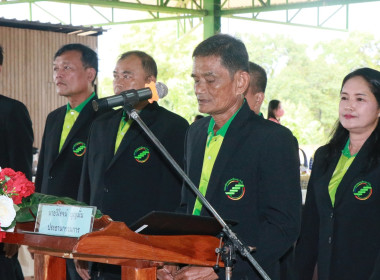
pixel 129 74
pixel 216 91
pixel 70 76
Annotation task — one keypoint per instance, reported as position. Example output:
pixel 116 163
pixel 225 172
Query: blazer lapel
pixel 110 132
pixel 197 152
pixel 55 133
pixel 195 156
pixel 355 170
pixel 231 143
pixel 322 183
pixel 85 115
pixel 148 117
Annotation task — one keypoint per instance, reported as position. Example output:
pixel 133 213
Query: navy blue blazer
pixel 345 239
pixel 58 173
pixel 137 179
pixel 254 181
pixel 16 136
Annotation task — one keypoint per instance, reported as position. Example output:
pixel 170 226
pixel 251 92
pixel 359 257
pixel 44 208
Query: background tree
pixel 307 79
pixel 173 57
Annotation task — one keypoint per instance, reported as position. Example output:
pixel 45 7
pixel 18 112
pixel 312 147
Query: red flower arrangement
pixel 14 187
pixel 19 201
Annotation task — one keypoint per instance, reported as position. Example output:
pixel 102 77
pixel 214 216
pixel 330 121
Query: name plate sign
pixel 64 220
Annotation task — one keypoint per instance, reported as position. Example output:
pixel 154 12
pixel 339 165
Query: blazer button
pixel 330 240
pixel 50 177
pixel 331 215
pixel 105 189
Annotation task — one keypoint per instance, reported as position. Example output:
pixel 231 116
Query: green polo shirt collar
pixel 124 115
pixel 223 130
pixel 346 150
pixel 80 107
pixel 341 168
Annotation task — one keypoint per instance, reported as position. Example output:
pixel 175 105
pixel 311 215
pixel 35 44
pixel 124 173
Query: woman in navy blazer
pixel 340 235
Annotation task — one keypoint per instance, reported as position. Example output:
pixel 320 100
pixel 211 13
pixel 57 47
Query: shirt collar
pixel 80 107
pixel 223 130
pixel 346 150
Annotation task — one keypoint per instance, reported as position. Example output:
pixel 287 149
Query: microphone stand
pixel 228 250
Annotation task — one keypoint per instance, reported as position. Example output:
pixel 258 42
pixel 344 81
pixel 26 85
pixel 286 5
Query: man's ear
pixel 242 82
pixel 259 98
pixel 91 74
pixel 150 78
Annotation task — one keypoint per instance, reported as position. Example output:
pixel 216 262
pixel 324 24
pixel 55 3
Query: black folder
pixel 169 223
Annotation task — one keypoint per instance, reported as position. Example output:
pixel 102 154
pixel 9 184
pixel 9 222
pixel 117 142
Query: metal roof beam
pixel 289 6
pixel 290 23
pixel 143 20
pixel 45 11
pixel 121 5
pixel 210 11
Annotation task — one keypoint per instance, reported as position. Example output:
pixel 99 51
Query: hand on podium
pixel 167 272
pixel 195 273
pixel 171 272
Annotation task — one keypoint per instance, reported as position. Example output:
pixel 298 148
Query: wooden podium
pixel 114 243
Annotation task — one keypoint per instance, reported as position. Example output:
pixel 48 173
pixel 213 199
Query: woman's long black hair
pixel 340 134
pixel 272 106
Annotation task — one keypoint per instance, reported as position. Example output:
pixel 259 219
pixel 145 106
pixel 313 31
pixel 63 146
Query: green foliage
pixel 306 79
pixel 308 85
pixel 105 89
pixel 173 57
pixel 29 206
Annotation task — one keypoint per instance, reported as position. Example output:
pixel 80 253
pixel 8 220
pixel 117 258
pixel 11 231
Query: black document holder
pixel 169 223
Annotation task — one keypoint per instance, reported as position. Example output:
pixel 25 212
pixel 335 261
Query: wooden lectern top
pixel 114 243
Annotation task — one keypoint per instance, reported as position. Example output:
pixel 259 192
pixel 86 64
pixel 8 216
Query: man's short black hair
pixel 258 77
pixel 232 52
pixel 89 57
pixel 148 63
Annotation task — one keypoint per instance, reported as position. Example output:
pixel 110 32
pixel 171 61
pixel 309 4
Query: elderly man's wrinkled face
pixel 216 91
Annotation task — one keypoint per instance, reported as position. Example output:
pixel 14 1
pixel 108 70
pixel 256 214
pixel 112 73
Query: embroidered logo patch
pixel 234 189
pixel 79 149
pixel 362 190
pixel 141 154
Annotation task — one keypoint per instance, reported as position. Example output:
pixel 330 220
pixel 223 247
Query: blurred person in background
pixel 275 111
pixel 257 84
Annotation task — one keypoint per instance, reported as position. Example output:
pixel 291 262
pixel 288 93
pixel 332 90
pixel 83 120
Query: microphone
pixel 152 92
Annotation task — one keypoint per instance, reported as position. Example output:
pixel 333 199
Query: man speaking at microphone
pixel 247 167
pixel 124 174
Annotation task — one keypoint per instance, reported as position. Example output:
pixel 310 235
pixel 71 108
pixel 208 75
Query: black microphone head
pixel 162 89
pixel 106 103
pixel 100 105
